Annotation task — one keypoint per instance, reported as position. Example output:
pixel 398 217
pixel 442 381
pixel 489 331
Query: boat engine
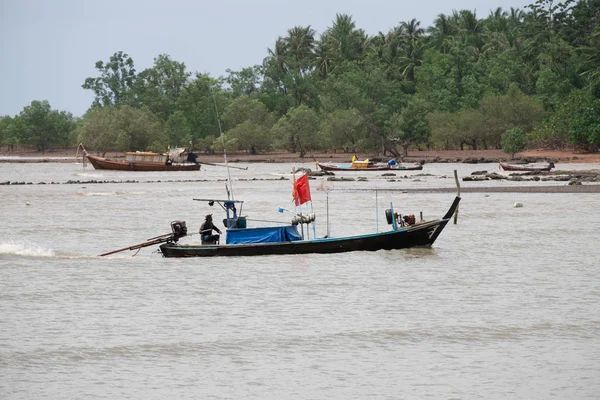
pixel 179 230
pixel 192 157
pixel 401 220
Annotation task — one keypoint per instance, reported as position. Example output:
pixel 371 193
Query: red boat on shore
pixel 525 167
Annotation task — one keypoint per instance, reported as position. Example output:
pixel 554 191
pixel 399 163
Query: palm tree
pixel 412 30
pixel 321 60
pixel 343 42
pixel 471 30
pixel 441 32
pixel 394 42
pixel 299 47
pixel 412 59
pixel 276 56
pixel 404 48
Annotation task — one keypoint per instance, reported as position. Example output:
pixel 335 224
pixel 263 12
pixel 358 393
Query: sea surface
pixel 504 306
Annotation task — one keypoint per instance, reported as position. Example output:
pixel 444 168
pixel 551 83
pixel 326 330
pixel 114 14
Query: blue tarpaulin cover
pixel 270 234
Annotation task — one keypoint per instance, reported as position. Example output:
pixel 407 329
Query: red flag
pixel 301 192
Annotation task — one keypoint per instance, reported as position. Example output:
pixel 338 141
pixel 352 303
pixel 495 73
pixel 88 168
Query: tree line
pixel 508 80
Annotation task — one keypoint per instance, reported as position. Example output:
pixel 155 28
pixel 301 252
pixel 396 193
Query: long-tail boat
pixel 366 165
pixel 244 241
pixel 294 238
pixel 525 167
pixel 174 160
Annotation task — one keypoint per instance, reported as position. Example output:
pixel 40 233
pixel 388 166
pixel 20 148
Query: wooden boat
pixel 362 166
pixel 524 167
pixel 242 240
pixel 148 161
pixel 287 240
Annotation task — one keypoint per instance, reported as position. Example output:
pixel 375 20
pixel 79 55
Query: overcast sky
pixel 49 47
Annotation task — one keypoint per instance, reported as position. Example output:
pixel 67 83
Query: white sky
pixel 49 47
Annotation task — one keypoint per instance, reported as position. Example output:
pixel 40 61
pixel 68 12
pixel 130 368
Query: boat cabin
pixel 145 157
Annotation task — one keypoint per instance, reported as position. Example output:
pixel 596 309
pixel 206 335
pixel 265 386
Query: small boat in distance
pixel 174 160
pixel 366 165
pixel 525 167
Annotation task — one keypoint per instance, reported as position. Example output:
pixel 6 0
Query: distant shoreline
pixel 441 156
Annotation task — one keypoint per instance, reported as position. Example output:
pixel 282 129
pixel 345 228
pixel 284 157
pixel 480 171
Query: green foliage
pixel 497 114
pixel 199 102
pixel 209 144
pixel 454 130
pixel 39 126
pixel 298 131
pixel 464 81
pixel 373 98
pixel 339 44
pixel 344 131
pixel 447 81
pixel 178 130
pixel 483 127
pixel 249 123
pixel 411 126
pixel 444 132
pixel 513 141
pixel 245 82
pixel 576 121
pixel 106 129
pixel 551 89
pixel 8 132
pixel 158 88
pixel 116 84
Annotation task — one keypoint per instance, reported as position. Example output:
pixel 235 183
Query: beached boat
pixel 361 166
pixel 174 160
pixel 406 231
pixel 525 167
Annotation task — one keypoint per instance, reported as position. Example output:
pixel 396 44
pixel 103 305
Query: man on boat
pixel 206 230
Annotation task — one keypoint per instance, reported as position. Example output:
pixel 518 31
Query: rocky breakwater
pixel 573 177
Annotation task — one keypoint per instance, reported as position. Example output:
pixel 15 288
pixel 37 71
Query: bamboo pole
pixel 458 194
pixel 219 165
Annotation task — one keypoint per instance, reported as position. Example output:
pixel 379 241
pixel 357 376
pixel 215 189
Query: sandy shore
pixel 68 155
pixel 415 156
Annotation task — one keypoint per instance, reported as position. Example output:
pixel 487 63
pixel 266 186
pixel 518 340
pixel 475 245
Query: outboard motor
pixel 401 220
pixel 192 157
pixel 179 230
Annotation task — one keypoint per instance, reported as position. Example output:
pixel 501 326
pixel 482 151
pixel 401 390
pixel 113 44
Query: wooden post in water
pixel 458 194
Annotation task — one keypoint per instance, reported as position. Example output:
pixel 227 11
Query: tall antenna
pixel 222 141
